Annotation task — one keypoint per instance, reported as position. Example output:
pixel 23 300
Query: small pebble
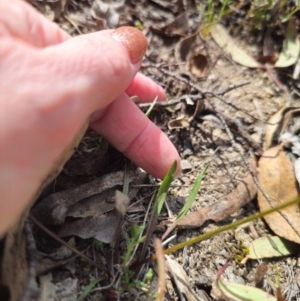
pixel 186 165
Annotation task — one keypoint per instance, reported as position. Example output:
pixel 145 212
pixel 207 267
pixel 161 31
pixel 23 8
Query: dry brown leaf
pixel 54 208
pixel 103 227
pixel 227 43
pixel 277 179
pixel 178 27
pixel 236 199
pixel 277 124
pixel 260 273
pixel 94 205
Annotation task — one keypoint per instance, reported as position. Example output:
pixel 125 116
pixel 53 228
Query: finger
pixel 22 21
pixel 127 128
pixel 146 89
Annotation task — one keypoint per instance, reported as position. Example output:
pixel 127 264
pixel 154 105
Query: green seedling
pixel 188 204
pixel 211 16
pixel 151 107
pixel 158 204
pixel 132 241
pixel 88 289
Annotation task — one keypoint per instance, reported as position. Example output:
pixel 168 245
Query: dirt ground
pixel 248 97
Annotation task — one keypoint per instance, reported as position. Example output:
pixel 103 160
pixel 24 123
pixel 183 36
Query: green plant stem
pixel 227 227
pixel 209 234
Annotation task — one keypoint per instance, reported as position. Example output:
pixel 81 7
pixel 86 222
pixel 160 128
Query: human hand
pixel 51 84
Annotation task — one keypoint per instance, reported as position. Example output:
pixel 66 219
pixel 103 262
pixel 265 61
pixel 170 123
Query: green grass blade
pixel 88 289
pixel 163 189
pixel 159 201
pixel 188 204
pixel 192 196
pixel 151 107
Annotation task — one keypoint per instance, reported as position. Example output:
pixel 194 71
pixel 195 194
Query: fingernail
pixel 133 40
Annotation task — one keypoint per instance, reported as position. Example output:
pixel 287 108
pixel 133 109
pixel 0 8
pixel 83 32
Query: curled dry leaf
pixel 182 51
pixel 227 43
pixel 277 125
pixel 179 123
pixel 278 181
pixel 198 65
pixel 187 59
pixel 241 195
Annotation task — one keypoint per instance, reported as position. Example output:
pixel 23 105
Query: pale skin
pixel 50 84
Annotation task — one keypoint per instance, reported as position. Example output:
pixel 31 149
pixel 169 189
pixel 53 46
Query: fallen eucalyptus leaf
pixel 240 292
pixel 103 227
pixel 268 247
pixel 278 181
pixel 227 43
pixel 54 208
pixel 291 46
pixel 277 125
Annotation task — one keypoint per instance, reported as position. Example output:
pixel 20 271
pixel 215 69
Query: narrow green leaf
pixel 192 196
pixel 164 188
pixel 88 288
pixel 159 201
pixel 188 204
pixel 151 107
